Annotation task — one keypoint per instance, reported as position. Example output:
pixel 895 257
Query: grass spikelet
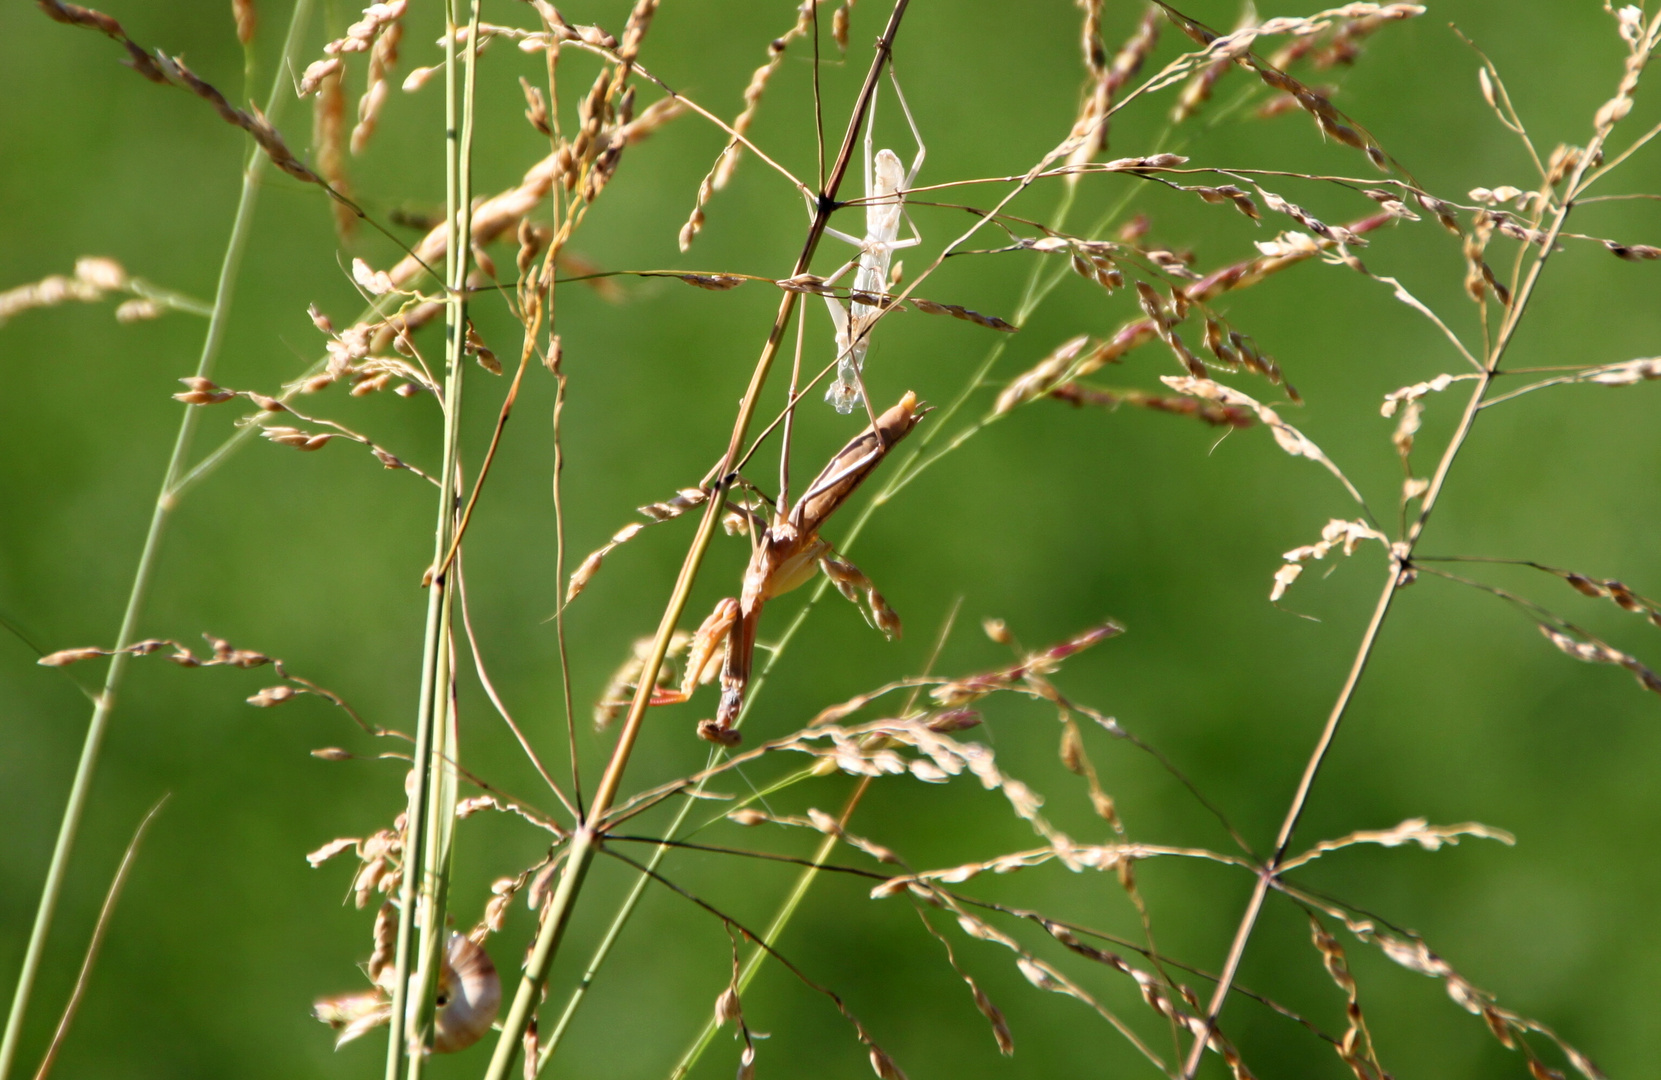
pixel 991 322
pixel 1046 977
pixel 634 34
pixel 383 56
pixel 721 172
pixel 95 277
pixel 1200 86
pixel 329 146
pixel 361 35
pixel 667 510
pixel 1355 1046
pixel 1276 256
pixel 1626 373
pixel 1412 831
pixel 728 161
pixel 247 19
pixel 712 282
pixel 1593 651
pixel 958 692
pixel 138 57
pixel 1338 533
pixel 1077 761
pixel 1229 416
pixel 994 1016
pixel 1046 374
pixel 840 23
pixel 1508 1027
pixel 1610 589
pixel 1236 48
pixel 1289 438
pixel 224 654
pixel 1136 49
pixel 250 120
pixel 491 219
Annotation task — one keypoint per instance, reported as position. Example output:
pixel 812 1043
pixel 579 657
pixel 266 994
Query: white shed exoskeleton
pixel 886 180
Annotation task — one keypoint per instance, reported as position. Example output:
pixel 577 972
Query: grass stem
pixel 104 706
pixel 430 817
pixel 1401 557
pixel 98 931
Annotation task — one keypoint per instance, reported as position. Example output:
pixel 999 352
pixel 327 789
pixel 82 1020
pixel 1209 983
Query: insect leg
pixel 922 151
pixel 735 678
pixel 714 632
pixel 846 238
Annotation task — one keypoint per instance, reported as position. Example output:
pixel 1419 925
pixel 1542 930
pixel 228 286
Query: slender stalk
pixel 775 928
pixel 1266 876
pixel 104 706
pixel 1401 557
pixel 613 932
pixel 810 874
pixel 551 299
pixel 557 914
pixel 97 942
pixel 412 884
pixel 441 820
pixel 430 817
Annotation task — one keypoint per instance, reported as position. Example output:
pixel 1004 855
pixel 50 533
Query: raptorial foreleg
pixel 712 634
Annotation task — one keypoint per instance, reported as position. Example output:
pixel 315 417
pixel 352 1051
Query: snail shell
pixel 469 993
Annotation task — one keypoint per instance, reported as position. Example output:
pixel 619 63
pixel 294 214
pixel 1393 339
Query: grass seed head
pixel 884 1066
pixel 273 695
pixel 950 720
pixel 727 1008
pixel 65 657
pixel 246 17
pixel 138 58
pixel 138 310
pixel 361 34
pixel 382 57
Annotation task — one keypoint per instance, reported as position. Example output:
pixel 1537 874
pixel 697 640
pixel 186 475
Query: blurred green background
pixel 1052 520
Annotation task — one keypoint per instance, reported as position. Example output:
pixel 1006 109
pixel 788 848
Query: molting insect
pixel 784 555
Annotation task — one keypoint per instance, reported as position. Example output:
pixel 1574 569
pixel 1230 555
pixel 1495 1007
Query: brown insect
pixel 785 554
